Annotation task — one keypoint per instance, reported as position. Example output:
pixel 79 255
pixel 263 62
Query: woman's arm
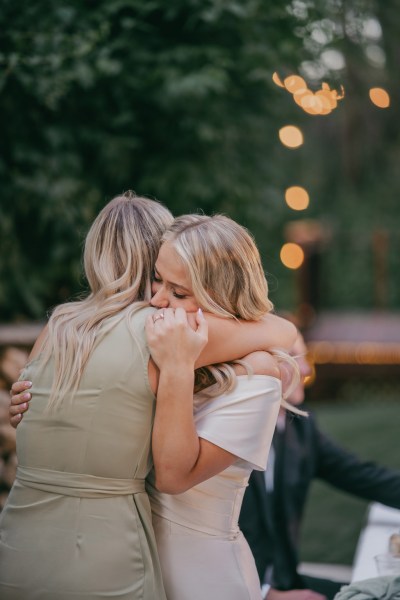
pixel 229 339
pixel 181 458
pixel 20 396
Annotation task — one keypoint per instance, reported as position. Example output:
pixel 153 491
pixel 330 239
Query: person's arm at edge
pixel 19 388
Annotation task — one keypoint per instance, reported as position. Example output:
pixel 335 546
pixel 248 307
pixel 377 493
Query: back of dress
pixel 78 518
pixel 105 430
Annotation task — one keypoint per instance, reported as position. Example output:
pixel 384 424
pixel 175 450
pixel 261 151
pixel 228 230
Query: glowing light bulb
pixel 277 80
pixel 297 198
pixel 291 136
pixel 292 255
pixel 379 97
pixel 294 83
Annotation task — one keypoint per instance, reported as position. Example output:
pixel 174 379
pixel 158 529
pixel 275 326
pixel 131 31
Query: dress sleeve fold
pixel 242 421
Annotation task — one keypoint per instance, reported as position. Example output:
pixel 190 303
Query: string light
pixel 379 97
pixel 292 255
pixel 321 102
pixel 364 353
pixel 297 198
pixel 291 136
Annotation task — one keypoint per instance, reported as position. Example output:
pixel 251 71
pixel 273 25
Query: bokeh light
pixel 294 83
pixel 310 379
pixel 321 102
pixel 277 80
pixel 379 97
pixel 364 353
pixel 297 198
pixel 291 136
pixel 292 255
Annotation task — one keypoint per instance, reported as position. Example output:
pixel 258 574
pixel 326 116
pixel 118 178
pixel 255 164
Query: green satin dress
pixel 77 523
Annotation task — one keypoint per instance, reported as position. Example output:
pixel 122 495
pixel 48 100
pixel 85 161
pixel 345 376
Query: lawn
pixel 366 421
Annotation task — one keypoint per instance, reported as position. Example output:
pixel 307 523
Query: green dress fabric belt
pixel 77 484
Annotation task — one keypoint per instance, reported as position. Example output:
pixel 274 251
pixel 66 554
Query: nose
pixel 160 298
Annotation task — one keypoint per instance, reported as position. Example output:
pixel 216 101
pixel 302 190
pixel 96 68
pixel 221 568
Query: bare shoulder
pixel 261 363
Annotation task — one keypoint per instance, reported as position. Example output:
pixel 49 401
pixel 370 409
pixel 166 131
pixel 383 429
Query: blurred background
pixel 283 115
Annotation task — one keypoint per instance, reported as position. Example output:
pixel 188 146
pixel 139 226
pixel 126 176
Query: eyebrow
pixel 176 285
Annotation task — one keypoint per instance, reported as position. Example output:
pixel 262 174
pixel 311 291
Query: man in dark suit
pixel 274 501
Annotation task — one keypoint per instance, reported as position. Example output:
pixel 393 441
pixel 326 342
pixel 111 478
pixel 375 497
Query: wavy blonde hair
pixel 228 280
pixel 120 252
pixel 224 265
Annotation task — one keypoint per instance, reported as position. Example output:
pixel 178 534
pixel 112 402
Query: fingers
pixel 202 325
pixel 149 323
pixel 168 316
pixel 19 403
pixel 158 316
pixel 20 386
pixel 181 316
pixel 200 319
pixel 15 421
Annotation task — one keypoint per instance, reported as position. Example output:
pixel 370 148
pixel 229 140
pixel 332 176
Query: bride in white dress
pixel 205 449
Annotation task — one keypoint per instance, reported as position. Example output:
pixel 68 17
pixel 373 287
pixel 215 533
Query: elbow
pixel 169 484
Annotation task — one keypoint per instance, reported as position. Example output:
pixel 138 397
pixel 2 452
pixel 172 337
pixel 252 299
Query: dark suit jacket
pixel 271 522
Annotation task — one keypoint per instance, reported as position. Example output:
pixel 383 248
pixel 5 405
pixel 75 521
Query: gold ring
pixel 160 316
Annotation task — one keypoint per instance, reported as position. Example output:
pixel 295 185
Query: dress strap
pixel 77 484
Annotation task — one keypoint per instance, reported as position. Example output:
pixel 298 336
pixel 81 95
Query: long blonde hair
pixel 120 252
pixel 228 280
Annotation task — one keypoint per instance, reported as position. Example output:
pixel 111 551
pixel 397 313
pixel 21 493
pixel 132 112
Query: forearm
pixel 230 340
pixel 175 442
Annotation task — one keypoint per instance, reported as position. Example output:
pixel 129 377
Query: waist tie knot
pixel 77 484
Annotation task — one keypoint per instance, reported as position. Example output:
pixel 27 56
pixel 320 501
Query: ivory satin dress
pixel 203 554
pixel 77 524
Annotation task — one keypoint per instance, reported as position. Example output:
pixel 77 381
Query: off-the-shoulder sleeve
pixel 242 421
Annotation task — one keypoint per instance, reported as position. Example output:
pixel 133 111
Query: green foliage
pixel 175 100
pixel 170 99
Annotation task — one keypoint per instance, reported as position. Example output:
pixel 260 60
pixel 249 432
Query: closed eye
pixel 179 296
pixel 156 278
